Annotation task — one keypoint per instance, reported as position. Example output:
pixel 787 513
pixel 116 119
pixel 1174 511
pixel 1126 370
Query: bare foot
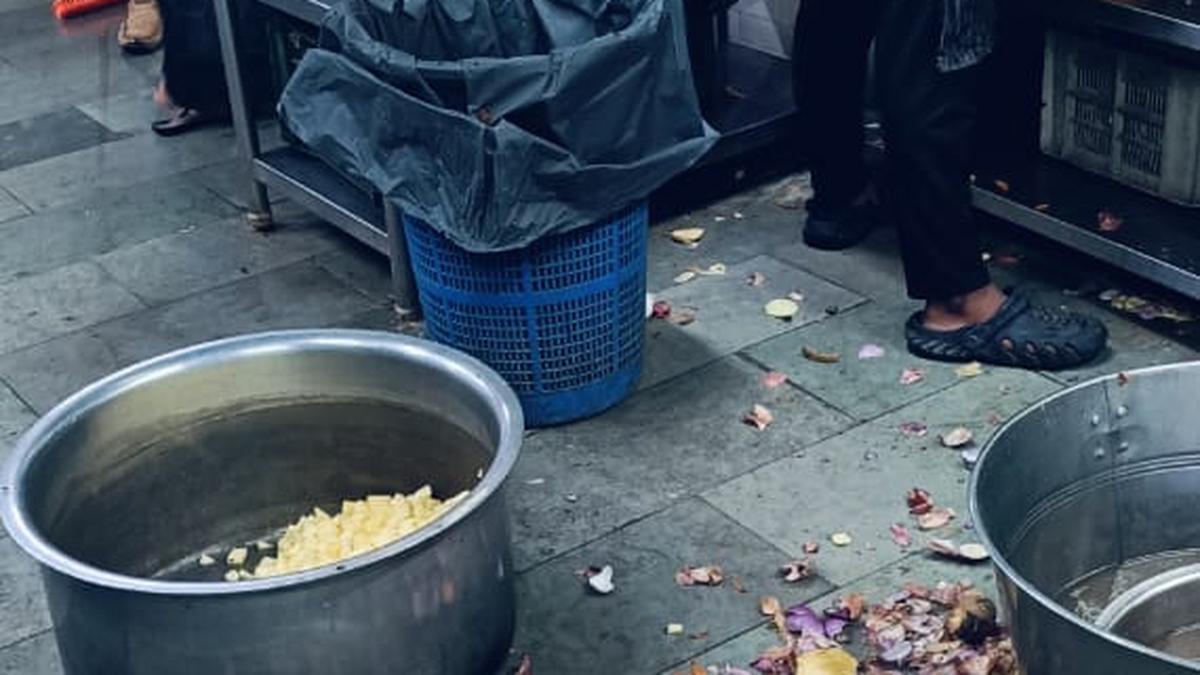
pixel 971 309
pixel 161 97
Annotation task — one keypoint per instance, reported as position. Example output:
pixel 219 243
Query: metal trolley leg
pixel 259 213
pixel 404 287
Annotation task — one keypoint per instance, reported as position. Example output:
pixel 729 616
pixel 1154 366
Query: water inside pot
pixel 240 476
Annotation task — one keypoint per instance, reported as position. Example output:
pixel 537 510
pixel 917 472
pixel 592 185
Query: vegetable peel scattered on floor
pixel 682 316
pixel 841 539
pixel 913 429
pixel 687 235
pixel 969 370
pixel 705 575
pixel 601 580
pixel 919 501
pixel 957 437
pixel 831 661
pixel 797 570
pixel 768 605
pixel 817 356
pixel 900 535
pixel 937 518
pixel 911 376
pixel 759 417
pixel 756 279
pixel 774 379
pixel 970 456
pixel 969 552
pixel 782 308
pixel 870 351
pixel 713 270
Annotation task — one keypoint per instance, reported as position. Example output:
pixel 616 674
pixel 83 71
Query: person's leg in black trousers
pixel 928 119
pixel 928 116
pixel 832 41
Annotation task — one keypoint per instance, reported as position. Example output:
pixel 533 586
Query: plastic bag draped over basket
pixel 500 122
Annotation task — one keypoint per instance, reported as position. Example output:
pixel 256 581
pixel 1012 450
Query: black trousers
pixel 192 67
pixel 928 121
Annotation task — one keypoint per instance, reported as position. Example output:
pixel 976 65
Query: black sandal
pixel 1021 335
pixel 181 121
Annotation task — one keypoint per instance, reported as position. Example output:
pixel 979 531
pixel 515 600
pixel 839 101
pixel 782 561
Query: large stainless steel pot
pixel 1090 503
pixel 118 490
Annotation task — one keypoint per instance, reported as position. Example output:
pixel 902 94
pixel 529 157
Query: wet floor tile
pixel 864 388
pixel 856 482
pixel 183 263
pixel 37 655
pixel 48 135
pixel 23 610
pixel 578 482
pixel 297 296
pixel 104 222
pixel 67 299
pixel 120 164
pixel 566 629
pixel 15 417
pixel 729 312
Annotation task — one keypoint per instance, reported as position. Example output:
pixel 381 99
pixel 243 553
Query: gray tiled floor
pixel 116 245
pixel 15 417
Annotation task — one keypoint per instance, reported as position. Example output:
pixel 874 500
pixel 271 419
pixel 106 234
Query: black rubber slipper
pixel 182 121
pixel 840 229
pixel 1021 335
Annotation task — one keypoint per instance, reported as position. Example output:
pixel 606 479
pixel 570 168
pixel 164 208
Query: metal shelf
pixel 753 111
pixel 1175 23
pixel 318 188
pixel 1159 241
pixel 308 11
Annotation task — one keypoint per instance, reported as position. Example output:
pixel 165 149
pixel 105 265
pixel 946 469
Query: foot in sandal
pixel 182 120
pixel 141 32
pixel 989 327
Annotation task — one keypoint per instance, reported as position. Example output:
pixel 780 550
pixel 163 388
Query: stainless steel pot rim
pixel 1011 573
pixel 484 380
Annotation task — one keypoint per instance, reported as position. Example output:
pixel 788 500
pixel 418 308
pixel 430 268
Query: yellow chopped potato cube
pixel 236 556
pixel 362 525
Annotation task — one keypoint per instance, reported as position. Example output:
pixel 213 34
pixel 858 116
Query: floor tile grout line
pixel 145 302
pixel 833 282
pixel 91 193
pixel 718 356
pixel 389 298
pixel 27 638
pixel 698 494
pixel 759 625
pixel 17 395
pixel 28 209
pixel 796 386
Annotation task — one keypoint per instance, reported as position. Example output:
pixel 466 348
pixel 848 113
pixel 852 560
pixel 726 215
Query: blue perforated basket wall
pixel 562 320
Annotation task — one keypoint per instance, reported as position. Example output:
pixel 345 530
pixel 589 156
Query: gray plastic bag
pixel 500 122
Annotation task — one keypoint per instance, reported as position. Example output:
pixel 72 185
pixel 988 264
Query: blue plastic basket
pixel 561 320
